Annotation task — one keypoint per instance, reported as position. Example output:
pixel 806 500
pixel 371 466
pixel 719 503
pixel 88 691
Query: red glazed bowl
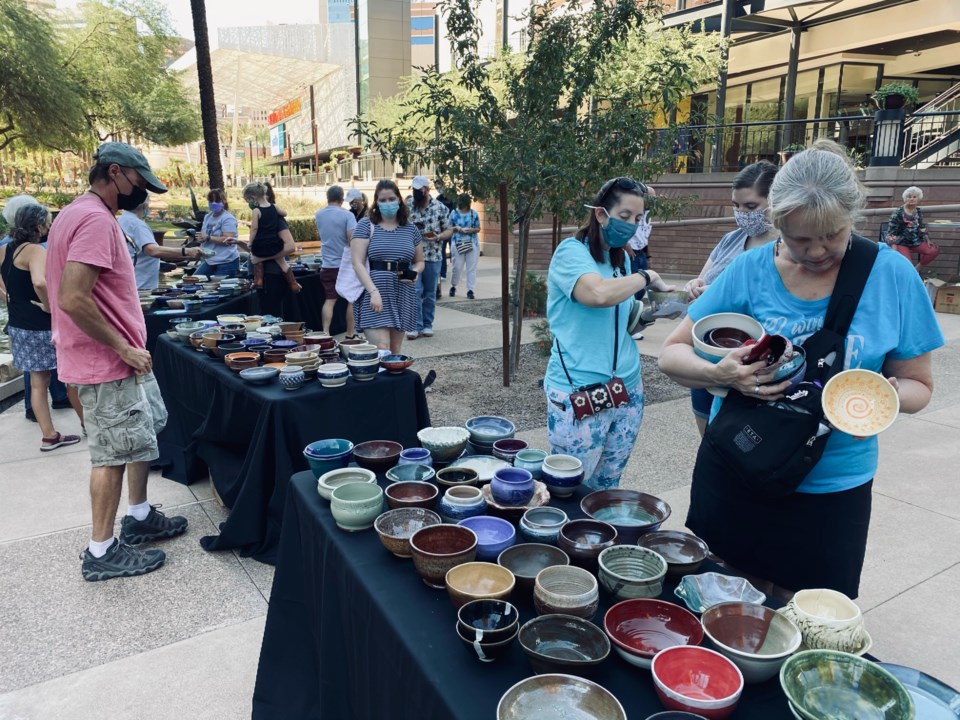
pixel 641 628
pixel 697 680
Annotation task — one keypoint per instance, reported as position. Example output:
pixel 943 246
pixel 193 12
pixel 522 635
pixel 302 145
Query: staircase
pixel 931 137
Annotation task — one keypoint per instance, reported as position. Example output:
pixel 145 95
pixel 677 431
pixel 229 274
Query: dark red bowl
pixel 697 680
pixel 641 628
pixel 377 455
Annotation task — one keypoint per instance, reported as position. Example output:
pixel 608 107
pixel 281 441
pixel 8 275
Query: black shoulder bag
pixel 773 446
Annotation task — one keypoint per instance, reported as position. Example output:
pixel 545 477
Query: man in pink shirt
pixel 100 337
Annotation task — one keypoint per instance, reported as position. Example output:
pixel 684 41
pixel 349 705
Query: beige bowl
pixel 828 620
pixel 860 402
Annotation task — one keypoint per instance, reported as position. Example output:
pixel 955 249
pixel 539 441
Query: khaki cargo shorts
pixel 122 418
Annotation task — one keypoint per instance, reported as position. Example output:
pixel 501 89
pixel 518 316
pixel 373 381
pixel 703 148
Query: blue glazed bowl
pixel 326 455
pixel 494 535
pixel 363 356
pixel 259 375
pixel 512 486
pixel 191 305
pixel 364 372
pixel 178 320
pixel 415 456
pixel 542 524
pixel 558 485
pixel 487 429
pixel 284 344
pixel 410 473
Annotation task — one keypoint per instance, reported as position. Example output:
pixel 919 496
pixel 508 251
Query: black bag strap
pixel 616 343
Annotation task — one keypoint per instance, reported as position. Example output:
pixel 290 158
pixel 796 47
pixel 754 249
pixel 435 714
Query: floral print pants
pixel 602 442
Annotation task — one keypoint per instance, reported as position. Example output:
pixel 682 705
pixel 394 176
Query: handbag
pixel 589 400
pixel 773 446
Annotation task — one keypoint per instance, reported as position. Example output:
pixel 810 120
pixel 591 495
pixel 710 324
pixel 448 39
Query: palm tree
pixel 208 106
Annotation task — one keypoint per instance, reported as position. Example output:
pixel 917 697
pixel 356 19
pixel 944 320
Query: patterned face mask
pixel 752 222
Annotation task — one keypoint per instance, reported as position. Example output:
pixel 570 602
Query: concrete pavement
pixel 183 642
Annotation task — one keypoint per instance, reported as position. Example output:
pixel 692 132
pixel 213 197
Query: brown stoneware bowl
pixel 558 695
pixel 275 355
pixel 412 494
pixel 583 540
pixel 456 476
pixel 241 364
pixel 683 551
pixel 438 548
pixel 526 560
pixel 395 527
pixel 377 455
pixel 478 581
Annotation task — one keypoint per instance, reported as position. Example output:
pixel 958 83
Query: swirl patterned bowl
pixel 860 402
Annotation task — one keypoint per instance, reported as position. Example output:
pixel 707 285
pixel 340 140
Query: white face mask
pixel 752 222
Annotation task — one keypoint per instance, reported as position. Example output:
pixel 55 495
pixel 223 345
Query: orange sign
pixel 282 113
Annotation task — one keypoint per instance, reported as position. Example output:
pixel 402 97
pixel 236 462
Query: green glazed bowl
pixel 841 686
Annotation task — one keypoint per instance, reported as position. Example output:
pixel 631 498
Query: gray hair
pixel 820 181
pixel 14 204
pixel 913 190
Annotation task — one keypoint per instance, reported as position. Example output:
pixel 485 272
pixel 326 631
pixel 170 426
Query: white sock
pixel 140 511
pixel 99 549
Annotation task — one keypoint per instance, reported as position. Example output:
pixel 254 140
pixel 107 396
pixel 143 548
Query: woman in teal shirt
pixel 815 537
pixel 589 294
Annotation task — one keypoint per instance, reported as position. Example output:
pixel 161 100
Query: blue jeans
pixel 427 294
pixel 58 391
pixel 639 262
pixel 230 269
pixel 444 246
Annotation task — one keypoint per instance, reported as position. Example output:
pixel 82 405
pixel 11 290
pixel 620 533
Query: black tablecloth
pixel 352 632
pixel 251 438
pixel 157 325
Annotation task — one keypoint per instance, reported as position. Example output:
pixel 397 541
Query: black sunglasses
pixel 623 183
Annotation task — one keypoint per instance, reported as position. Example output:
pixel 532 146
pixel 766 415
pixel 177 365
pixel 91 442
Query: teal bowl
pixel 326 455
pixel 833 684
pixel 410 473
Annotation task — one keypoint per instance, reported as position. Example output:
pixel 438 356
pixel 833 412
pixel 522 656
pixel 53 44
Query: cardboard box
pixel 944 296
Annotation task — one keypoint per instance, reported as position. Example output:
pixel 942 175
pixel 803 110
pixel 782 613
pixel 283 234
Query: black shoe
pixel 155 526
pixel 30 416
pixel 120 560
pixel 470 295
pixel 453 291
pixel 61 405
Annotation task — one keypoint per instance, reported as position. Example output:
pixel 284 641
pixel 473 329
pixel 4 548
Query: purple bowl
pixel 283 344
pixel 494 535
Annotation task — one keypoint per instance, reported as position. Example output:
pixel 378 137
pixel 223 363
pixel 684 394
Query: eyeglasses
pixel 623 183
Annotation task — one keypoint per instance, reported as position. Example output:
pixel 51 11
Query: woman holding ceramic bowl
pixel 751 187
pixel 387 257
pixel 816 536
pixel 589 293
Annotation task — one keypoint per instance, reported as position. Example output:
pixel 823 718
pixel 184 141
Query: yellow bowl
pixel 860 402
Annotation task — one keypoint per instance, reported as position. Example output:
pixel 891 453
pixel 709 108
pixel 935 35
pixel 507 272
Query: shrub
pixel 544 338
pixel 534 293
pixel 303 229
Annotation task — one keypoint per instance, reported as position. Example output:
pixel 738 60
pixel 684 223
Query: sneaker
pixel 120 560
pixel 412 336
pixel 427 332
pixel 59 440
pixel 61 405
pixel 637 336
pixel 470 295
pixel 30 416
pixel 154 527
pixel 453 291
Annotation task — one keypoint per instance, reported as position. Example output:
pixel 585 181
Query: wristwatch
pixel 646 276
pixel 183 251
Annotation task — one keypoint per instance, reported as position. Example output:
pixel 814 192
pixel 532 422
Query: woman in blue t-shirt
pixel 589 294
pixel 815 537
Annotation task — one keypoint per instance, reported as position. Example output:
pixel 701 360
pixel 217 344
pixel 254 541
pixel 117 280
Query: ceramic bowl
pixel 698 680
pixel 444 443
pixel 757 639
pixel 542 525
pixel 274 355
pixel 494 535
pixel 641 628
pixel 530 460
pixel 395 527
pixel 315 338
pixel 438 548
pixel 732 321
pixel 629 571
pixel 229 349
pixel 485 650
pixel 860 402
pixel 196 338
pixel 485 465
pixel 557 695
pixel 334 380
pixel 185 329
pixel 563 643
pixel 683 551
pixel 238 329
pixel 478 581
pixel 252 323
pixel 173 335
pixel 411 494
pixel 566 590
pixel 286 345
pixel 726 337
pixel 507 448
pixel 362 353
pixel 356 506
pixel 488 620
pixel 191 305
pixel 242 364
pixel 526 561
pixel 180 321
pixel 513 513
pixel 828 620
pixel 301 358
pixel 933 699
pixel 333 369
pixel 410 473
pixel 562 474
pixel 259 375
pixel 631 512
pixel 833 684
pixel 705 590
pixel 326 455
pixel 364 372
pixel 333 479
pixel 675 715
pixel 377 455
pixel 415 456
pixel 487 429
pixel 584 539
pixel 455 476
pixel 396 364
pixel 245 355
pixel 462 502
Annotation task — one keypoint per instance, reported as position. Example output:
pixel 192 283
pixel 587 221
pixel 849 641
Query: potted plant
pixel 896 95
pixel 790 150
pixel 356 151
pixel 340 155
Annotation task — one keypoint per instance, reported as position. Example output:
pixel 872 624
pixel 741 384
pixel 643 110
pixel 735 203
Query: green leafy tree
pixel 548 123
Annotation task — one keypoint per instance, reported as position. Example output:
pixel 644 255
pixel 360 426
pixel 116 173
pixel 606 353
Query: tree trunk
pixel 208 105
pixel 519 285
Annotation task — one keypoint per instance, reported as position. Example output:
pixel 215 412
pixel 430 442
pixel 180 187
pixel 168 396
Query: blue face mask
pixel 617 232
pixel 389 210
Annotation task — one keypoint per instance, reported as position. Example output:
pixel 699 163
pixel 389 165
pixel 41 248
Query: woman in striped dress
pixel 393 250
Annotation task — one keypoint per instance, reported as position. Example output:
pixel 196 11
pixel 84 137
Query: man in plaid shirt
pixel 433 219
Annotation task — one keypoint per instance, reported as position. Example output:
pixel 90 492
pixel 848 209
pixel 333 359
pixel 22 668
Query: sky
pixel 232 13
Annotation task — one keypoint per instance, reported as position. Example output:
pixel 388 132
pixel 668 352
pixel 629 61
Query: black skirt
pixel 802 541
